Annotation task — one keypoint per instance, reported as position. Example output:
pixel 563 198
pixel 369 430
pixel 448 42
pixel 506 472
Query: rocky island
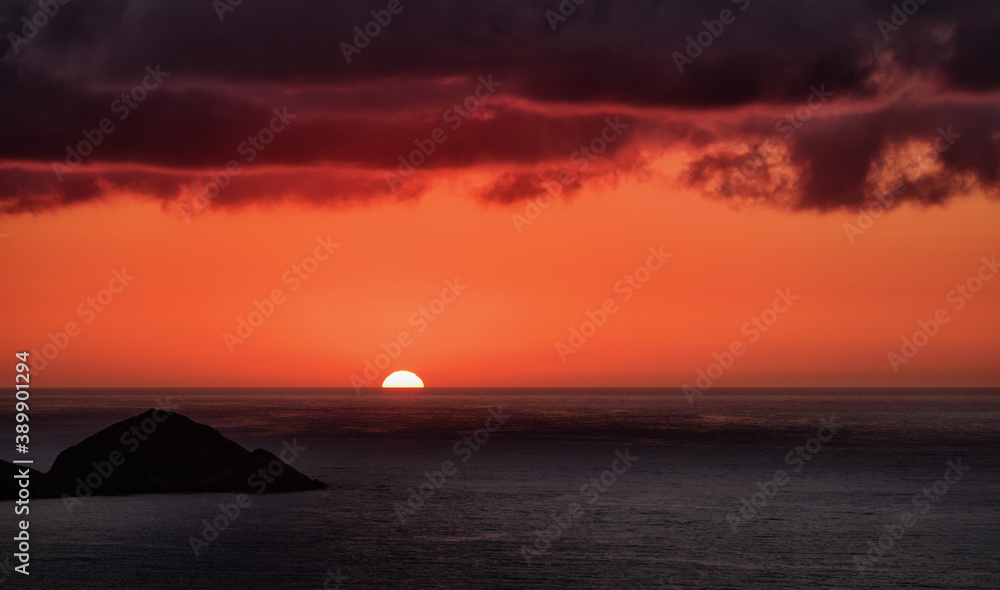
pixel 159 452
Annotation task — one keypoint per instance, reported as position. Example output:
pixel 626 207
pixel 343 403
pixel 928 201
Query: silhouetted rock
pixel 160 452
pixel 39 486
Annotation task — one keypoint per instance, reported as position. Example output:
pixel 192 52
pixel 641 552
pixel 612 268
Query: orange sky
pixel 524 292
pixel 823 109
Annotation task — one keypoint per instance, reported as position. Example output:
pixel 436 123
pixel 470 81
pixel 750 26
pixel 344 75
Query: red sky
pixel 524 292
pixel 608 78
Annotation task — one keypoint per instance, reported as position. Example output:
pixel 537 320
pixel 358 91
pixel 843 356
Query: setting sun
pixel 402 379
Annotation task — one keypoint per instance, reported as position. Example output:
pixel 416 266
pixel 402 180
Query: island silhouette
pixel 159 452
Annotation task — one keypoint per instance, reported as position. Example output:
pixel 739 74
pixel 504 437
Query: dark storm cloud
pixel 832 159
pixel 621 51
pixel 226 75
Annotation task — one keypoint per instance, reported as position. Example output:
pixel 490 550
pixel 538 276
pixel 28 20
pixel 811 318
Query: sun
pixel 402 379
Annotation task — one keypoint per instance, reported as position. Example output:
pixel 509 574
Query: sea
pixel 542 488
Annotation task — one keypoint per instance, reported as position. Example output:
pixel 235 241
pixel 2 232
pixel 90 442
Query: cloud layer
pixel 896 81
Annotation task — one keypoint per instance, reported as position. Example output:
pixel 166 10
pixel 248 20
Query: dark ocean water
pixel 665 520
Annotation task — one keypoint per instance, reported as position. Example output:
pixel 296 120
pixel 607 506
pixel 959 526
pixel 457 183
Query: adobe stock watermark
pixel 561 14
pixel 421 320
pixel 123 106
pixel 364 35
pixel 86 309
pixel 294 276
pixel 797 457
pixel 899 16
pixel 464 449
pixel 922 502
pixel 131 440
pixel 713 30
pixel 597 318
pixel 455 116
pixel 222 7
pixel 590 492
pixel 959 297
pixel 785 129
pixel 249 148
pixel 231 512
pixel 581 158
pixel 885 199
pixel 335 578
pixel 47 10
pixel 725 360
